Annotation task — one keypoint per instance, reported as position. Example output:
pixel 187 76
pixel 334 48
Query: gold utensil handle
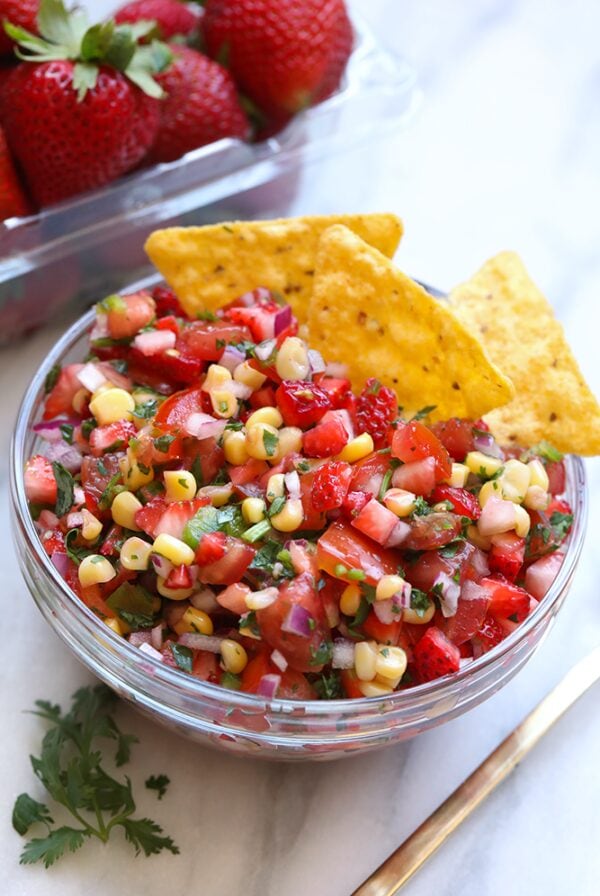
pixel 414 852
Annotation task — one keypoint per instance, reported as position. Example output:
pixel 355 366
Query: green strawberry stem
pixel 68 35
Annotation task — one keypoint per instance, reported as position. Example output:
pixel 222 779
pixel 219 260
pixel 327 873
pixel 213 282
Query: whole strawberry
pixel 172 17
pixel 201 106
pixel 283 54
pixel 19 12
pixel 80 120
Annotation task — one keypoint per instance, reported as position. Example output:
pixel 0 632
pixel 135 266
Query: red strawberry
pixel 435 655
pixel 19 12
pixel 61 395
pixel 376 407
pixel 40 483
pixel 201 106
pixel 75 124
pixel 171 16
pixel 330 485
pixel 283 54
pixel 12 199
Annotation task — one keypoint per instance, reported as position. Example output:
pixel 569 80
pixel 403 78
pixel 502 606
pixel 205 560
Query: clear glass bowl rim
pixel 346 709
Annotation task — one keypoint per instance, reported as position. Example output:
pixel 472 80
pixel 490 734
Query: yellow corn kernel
pixel 133 475
pixel 218 494
pixel 490 489
pixel 80 400
pixel 414 618
pixel 538 475
pixel 515 480
pixel 290 517
pixel 292 359
pixel 216 378
pixel 235 658
pixel 269 415
pixel 225 404
pixel 246 374
pixel 117 626
pixel 522 521
pixel 350 600
pixel 180 485
pixel 262 441
pixel 95 570
pixel 135 554
pixel 253 510
pixel 387 586
pixel 275 487
pixel 482 464
pixel 483 542
pixel 374 689
pixel 124 508
pixel 290 442
pixel 357 448
pixel 399 501
pixel 175 550
pixel 459 475
pixel 390 663
pixel 92 527
pixel 536 498
pixel 112 405
pixel 365 658
pixel 172 593
pixel 196 621
pixel 234 447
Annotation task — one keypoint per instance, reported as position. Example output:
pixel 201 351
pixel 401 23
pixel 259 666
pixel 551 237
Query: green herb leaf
pixel 133 604
pixel 329 685
pixel 183 656
pixel 113 487
pixel 277 506
pixel 561 523
pixel 49 849
pixel 162 443
pixel 145 836
pixel 28 811
pixel 322 654
pixel 422 508
pixel 424 412
pixel 147 410
pixel 75 552
pixel 270 441
pixel 158 783
pixel 52 378
pixel 65 485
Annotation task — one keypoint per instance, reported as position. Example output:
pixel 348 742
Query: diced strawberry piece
pixel 263 398
pixel 457 436
pixel 259 317
pixel 176 515
pixel 54 543
pixel 354 502
pixel 167 302
pixel 342 544
pixel 111 437
pixel 376 408
pixel 435 655
pixel 60 398
pixel 506 600
pixel 376 521
pixel 328 437
pixel 40 483
pixel 432 531
pixel 506 555
pixel 148 518
pixel 127 315
pixel 302 404
pixel 339 391
pixel 380 631
pixel 229 568
pixel 330 485
pixel 471 610
pixel 247 472
pixel 462 501
pixel 168 322
pixel 418 477
pixel 206 340
pixel 211 548
pixel 541 574
pixel 414 441
pixel 557 477
pixel 489 635
pixel 179 577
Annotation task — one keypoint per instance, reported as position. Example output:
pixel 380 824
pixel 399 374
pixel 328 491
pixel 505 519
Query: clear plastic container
pixel 89 246
pixel 244 723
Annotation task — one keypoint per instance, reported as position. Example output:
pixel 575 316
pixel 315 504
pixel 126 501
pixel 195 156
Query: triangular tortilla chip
pixel 210 266
pixel 516 324
pixel 376 320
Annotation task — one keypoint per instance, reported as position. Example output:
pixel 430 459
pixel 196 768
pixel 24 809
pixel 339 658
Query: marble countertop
pixel 503 154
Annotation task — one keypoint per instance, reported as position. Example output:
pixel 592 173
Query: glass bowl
pixel 244 723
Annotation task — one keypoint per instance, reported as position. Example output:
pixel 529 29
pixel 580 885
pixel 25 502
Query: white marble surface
pixel 504 154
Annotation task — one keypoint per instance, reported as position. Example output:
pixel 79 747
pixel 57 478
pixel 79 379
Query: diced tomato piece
pixel 468 618
pixel 40 482
pixel 435 655
pixel 168 322
pixel 299 651
pixel 354 502
pixel 414 441
pixel 339 391
pixel 507 554
pixel 167 302
pixel 330 486
pixel 351 684
pixel 548 529
pixel 301 404
pixel 262 398
pixel 541 574
pixel 381 632
pixel 212 547
pixel 111 545
pixel 111 437
pixel 129 314
pixel 259 318
pixel 158 517
pixel 205 666
pixel 174 412
pixel 418 477
pixel 248 472
pixel 295 686
pixel 231 567
pixel 206 340
pixel 96 473
pixel 54 543
pixel 506 599
pixel 424 571
pixel 233 598
pixel 462 501
pixel 368 473
pixel 557 477
pixel 257 667
pixel 376 521
pixel 341 544
pixel 205 456
pixel 313 519
pixel 328 437
pixel 456 435
pixel 179 577
pixel 180 369
pixel 60 398
pixel 432 531
pixel 489 635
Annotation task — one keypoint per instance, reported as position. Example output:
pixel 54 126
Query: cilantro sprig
pixel 70 768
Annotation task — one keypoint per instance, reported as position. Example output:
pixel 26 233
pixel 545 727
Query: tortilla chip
pixel 210 266
pixel 516 324
pixel 376 320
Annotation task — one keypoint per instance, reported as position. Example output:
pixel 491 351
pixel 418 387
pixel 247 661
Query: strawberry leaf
pixel 55 25
pixel 85 76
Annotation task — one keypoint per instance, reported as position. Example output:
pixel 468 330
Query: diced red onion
pixel 154 342
pixel 78 496
pixel 136 639
pixel 283 319
pixel 156 636
pixel 268 686
pixel 487 445
pixel 449 592
pixel 399 533
pixel 292 484
pixel 67 455
pixel 497 516
pixel 46 520
pixel 203 426
pixel 60 561
pixel 50 430
pixel 151 651
pixel 195 641
pixel 117 379
pixel 465 661
pixel 265 349
pixel 472 591
pixel 336 370
pixel 90 377
pixel 231 357
pixel 100 328
pixel 204 600
pixel 315 359
pixel 162 566
pixel 240 390
pixel 343 654
pixel 74 520
pixel 479 563
pixel 390 610
pixel 278 659
pixel 255 296
pixel 297 621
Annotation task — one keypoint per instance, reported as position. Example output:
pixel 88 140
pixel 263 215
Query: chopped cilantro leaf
pixel 277 506
pixel 158 783
pixel 51 378
pixel 450 550
pixel 75 553
pixel 147 410
pixel 385 484
pixel 66 430
pixel 561 523
pixel 329 685
pixel 422 508
pixel 270 441
pixel 113 488
pixel 65 485
pixel 419 601
pixel 322 654
pixel 87 426
pixel 206 315
pixel 133 604
pixel 162 443
pixel 183 656
pixel 424 412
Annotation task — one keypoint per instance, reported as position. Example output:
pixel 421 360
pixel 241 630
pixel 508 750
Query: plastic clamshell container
pixel 87 247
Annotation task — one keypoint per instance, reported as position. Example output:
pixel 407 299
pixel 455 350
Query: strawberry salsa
pixel 220 497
